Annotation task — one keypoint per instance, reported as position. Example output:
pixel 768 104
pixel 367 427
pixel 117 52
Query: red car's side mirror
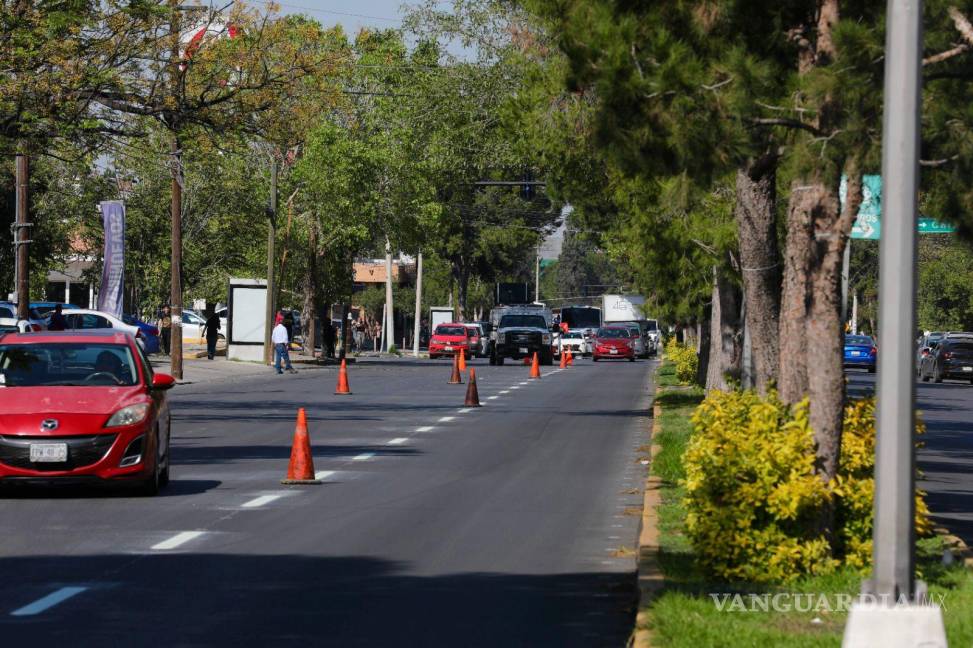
pixel 163 381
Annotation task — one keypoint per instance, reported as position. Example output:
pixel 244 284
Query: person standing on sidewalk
pixel 211 331
pixel 165 327
pixel 280 341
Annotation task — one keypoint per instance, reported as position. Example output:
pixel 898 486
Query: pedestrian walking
pixel 211 331
pixel 281 341
pixel 165 327
pixel 57 323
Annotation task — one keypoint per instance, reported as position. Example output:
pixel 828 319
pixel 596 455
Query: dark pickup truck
pixel 521 335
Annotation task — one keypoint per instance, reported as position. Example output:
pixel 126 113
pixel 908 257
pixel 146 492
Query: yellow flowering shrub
pixel 685 359
pixel 753 498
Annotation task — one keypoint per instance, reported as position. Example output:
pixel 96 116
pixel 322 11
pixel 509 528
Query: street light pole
pixel 894 528
pixel 271 258
pixel 21 237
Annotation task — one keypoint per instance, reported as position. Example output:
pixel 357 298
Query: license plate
pixel 613 351
pixel 49 452
pixel 449 348
pixel 523 349
pixel 856 353
pixel 967 368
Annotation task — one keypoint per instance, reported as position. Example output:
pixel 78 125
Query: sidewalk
pixel 201 371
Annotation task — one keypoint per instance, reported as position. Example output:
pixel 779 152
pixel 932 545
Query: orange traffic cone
pixel 472 395
pixel 535 367
pixel 301 468
pixel 462 360
pixel 564 359
pixel 343 389
pixel 456 378
pixel 570 359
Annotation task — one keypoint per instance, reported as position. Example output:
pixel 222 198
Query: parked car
pixel 480 341
pixel 951 357
pixel 82 406
pixel 613 342
pixel 150 334
pixel 448 339
pixel 861 352
pixel 44 308
pixel 35 320
pixel 192 327
pixel 573 341
pixel 81 319
pixel 14 325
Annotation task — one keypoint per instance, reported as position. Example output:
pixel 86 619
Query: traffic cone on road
pixel 535 367
pixel 300 470
pixel 570 359
pixel 343 389
pixel 456 378
pixel 462 360
pixel 472 395
pixel 564 360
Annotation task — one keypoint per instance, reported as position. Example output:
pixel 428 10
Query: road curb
pixel 649 574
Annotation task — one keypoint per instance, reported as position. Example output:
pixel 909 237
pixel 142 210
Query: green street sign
pixel 868 224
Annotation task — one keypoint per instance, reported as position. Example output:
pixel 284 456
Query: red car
pixel 613 342
pixel 82 406
pixel 448 339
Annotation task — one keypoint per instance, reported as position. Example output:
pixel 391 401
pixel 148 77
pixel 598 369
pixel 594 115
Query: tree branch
pixel 789 123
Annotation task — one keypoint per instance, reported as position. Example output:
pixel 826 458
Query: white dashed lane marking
pixel 262 500
pixel 492 397
pixel 177 540
pixel 447 419
pixel 425 428
pixel 49 601
pixel 398 441
pixel 365 456
pixel 323 474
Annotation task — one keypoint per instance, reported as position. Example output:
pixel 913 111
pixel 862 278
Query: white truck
pixel 630 308
pixel 440 315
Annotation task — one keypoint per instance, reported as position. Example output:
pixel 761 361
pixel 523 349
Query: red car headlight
pixel 129 415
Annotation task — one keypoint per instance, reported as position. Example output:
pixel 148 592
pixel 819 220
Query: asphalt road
pixel 946 458
pixel 436 525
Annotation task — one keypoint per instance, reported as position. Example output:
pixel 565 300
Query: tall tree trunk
pixel 726 335
pixel 756 216
pixel 698 336
pixel 792 373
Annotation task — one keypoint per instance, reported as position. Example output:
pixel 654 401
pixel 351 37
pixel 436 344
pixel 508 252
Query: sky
pixel 351 14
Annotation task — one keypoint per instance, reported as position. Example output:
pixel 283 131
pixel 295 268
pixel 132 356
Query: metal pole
pixel 894 529
pixel 537 276
pixel 21 231
pixel 854 313
pixel 271 257
pixel 175 262
pixel 417 325
pixel 845 270
pixel 388 315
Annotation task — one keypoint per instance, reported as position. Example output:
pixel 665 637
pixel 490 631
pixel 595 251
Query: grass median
pixel 694 612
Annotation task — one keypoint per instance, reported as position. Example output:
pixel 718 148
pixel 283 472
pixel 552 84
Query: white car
pixel 86 319
pixel 11 325
pixel 34 322
pixel 573 341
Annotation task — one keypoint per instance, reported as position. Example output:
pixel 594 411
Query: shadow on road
pixel 176 488
pixel 287 600
pixel 225 454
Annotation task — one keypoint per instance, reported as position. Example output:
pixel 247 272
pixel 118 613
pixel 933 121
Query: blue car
pixel 860 351
pixel 45 308
pixel 150 334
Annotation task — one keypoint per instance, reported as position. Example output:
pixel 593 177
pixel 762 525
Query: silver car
pixel 640 343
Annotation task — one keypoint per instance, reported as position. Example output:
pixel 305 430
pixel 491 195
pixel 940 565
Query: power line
pixel 331 12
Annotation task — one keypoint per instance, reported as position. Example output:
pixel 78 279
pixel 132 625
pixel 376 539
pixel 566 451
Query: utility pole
pixel 418 327
pixel 898 617
pixel 388 326
pixel 21 234
pixel 271 257
pixel 537 275
pixel 175 205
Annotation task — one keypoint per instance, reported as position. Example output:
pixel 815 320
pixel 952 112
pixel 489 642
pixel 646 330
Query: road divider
pixel 300 469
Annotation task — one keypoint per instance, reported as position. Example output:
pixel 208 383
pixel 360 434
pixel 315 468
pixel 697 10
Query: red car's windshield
pixel 76 363
pixel 613 333
pixel 451 330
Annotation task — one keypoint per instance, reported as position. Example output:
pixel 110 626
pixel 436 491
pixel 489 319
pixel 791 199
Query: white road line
pixel 323 474
pixel 447 419
pixel 465 410
pixel 49 601
pixel 505 391
pixel 526 382
pixel 260 501
pixel 515 387
pixel 492 397
pixel 365 456
pixel 425 428
pixel 398 441
pixel 177 540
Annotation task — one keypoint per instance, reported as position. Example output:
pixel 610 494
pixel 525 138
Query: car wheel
pixel 499 361
pixel 631 359
pixel 164 475
pixel 594 358
pixel 922 375
pixel 151 486
pixel 871 369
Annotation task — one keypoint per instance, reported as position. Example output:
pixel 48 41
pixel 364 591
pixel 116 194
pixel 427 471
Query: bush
pixel 754 500
pixel 685 359
pixel 394 350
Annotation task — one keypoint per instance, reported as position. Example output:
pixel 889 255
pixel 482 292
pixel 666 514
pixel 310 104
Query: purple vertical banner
pixel 113 274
